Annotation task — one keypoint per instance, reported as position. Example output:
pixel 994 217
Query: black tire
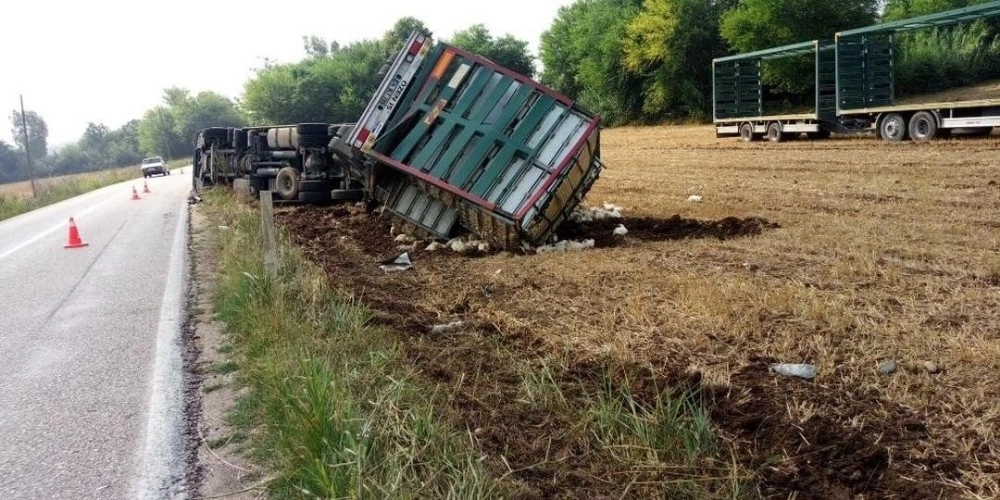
pixel 215 134
pixel 312 129
pixel 892 127
pixel 286 183
pixel 923 126
pixel 315 186
pixel 347 194
pixel 746 133
pixel 313 141
pixel 313 135
pixel 774 133
pixel 314 196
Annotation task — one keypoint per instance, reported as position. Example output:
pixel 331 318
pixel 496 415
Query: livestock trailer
pixel 854 84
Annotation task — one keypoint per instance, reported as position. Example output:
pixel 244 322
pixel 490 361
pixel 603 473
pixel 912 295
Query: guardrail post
pixel 267 234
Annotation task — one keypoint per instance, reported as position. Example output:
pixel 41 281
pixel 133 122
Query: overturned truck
pixel 449 142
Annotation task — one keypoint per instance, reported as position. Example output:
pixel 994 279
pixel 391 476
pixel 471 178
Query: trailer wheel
pixel 892 127
pixel 923 126
pixel 286 183
pixel 746 132
pixel 774 133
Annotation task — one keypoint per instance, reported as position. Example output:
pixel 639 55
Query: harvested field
pixel 842 253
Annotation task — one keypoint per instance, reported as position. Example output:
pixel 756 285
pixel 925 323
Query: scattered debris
pixel 887 367
pixel 460 245
pixel 194 199
pixel 795 370
pixel 931 367
pixel 566 246
pixel 447 327
pixel 434 246
pixel 400 263
pixel 404 238
pixel 591 214
pixel 620 230
pixel 694 198
pixel 223 228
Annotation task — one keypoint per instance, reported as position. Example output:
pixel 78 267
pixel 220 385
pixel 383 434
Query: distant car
pixel 154 165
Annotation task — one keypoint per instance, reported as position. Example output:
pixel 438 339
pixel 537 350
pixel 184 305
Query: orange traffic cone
pixel 135 195
pixel 145 188
pixel 74 236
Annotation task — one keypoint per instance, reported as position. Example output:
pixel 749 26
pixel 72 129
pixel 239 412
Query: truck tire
pixel 923 126
pixel 347 194
pixel 314 196
pixel 746 133
pixel 315 186
pixel 286 183
pixel 774 133
pixel 892 127
pixel 313 135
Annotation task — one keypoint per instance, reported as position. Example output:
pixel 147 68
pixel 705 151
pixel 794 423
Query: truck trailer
pixel 449 141
pixel 854 89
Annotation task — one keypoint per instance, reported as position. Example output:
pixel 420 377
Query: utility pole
pixel 27 149
pixel 164 132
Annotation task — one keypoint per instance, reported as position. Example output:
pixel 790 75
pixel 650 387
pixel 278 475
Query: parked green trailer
pixel 855 88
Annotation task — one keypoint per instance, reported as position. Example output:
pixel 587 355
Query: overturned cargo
pixel 465 142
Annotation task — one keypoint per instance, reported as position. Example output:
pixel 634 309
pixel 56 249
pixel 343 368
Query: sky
pixel 108 61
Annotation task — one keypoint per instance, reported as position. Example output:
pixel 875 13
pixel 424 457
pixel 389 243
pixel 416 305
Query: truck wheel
pixel 892 127
pixel 314 196
pixel 774 133
pixel 923 126
pixel 286 183
pixel 347 194
pixel 746 132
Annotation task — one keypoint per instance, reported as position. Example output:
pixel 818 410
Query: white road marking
pixel 162 463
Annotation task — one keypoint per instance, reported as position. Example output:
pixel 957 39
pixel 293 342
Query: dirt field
pixel 840 253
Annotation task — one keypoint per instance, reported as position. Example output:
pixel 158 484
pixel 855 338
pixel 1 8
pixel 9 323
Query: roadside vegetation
pixel 16 198
pixel 338 402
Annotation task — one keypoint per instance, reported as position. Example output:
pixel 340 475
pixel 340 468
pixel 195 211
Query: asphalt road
pixel 90 345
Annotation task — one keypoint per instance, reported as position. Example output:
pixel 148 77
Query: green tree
pixel 10 164
pixel 158 136
pixel 38 133
pixel 583 56
pixel 506 51
pixel 328 88
pixel 671 43
pixel 760 24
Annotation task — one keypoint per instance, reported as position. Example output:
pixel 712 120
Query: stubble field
pixel 843 253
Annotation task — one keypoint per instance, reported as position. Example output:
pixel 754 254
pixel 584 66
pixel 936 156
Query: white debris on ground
pixel 404 238
pixel 565 246
pixel 460 245
pixel 434 246
pixel 447 327
pixel 694 198
pixel 400 263
pixel 591 214
pixel 620 230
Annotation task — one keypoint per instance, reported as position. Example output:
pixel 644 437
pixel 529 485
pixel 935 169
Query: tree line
pixel 630 61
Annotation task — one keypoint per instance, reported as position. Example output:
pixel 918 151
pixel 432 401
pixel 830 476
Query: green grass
pixel 331 410
pixel 51 191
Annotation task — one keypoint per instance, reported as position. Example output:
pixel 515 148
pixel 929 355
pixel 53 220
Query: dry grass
pixel 884 252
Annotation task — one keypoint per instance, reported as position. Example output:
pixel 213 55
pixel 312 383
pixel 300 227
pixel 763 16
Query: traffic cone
pixel 145 188
pixel 74 236
pixel 135 194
